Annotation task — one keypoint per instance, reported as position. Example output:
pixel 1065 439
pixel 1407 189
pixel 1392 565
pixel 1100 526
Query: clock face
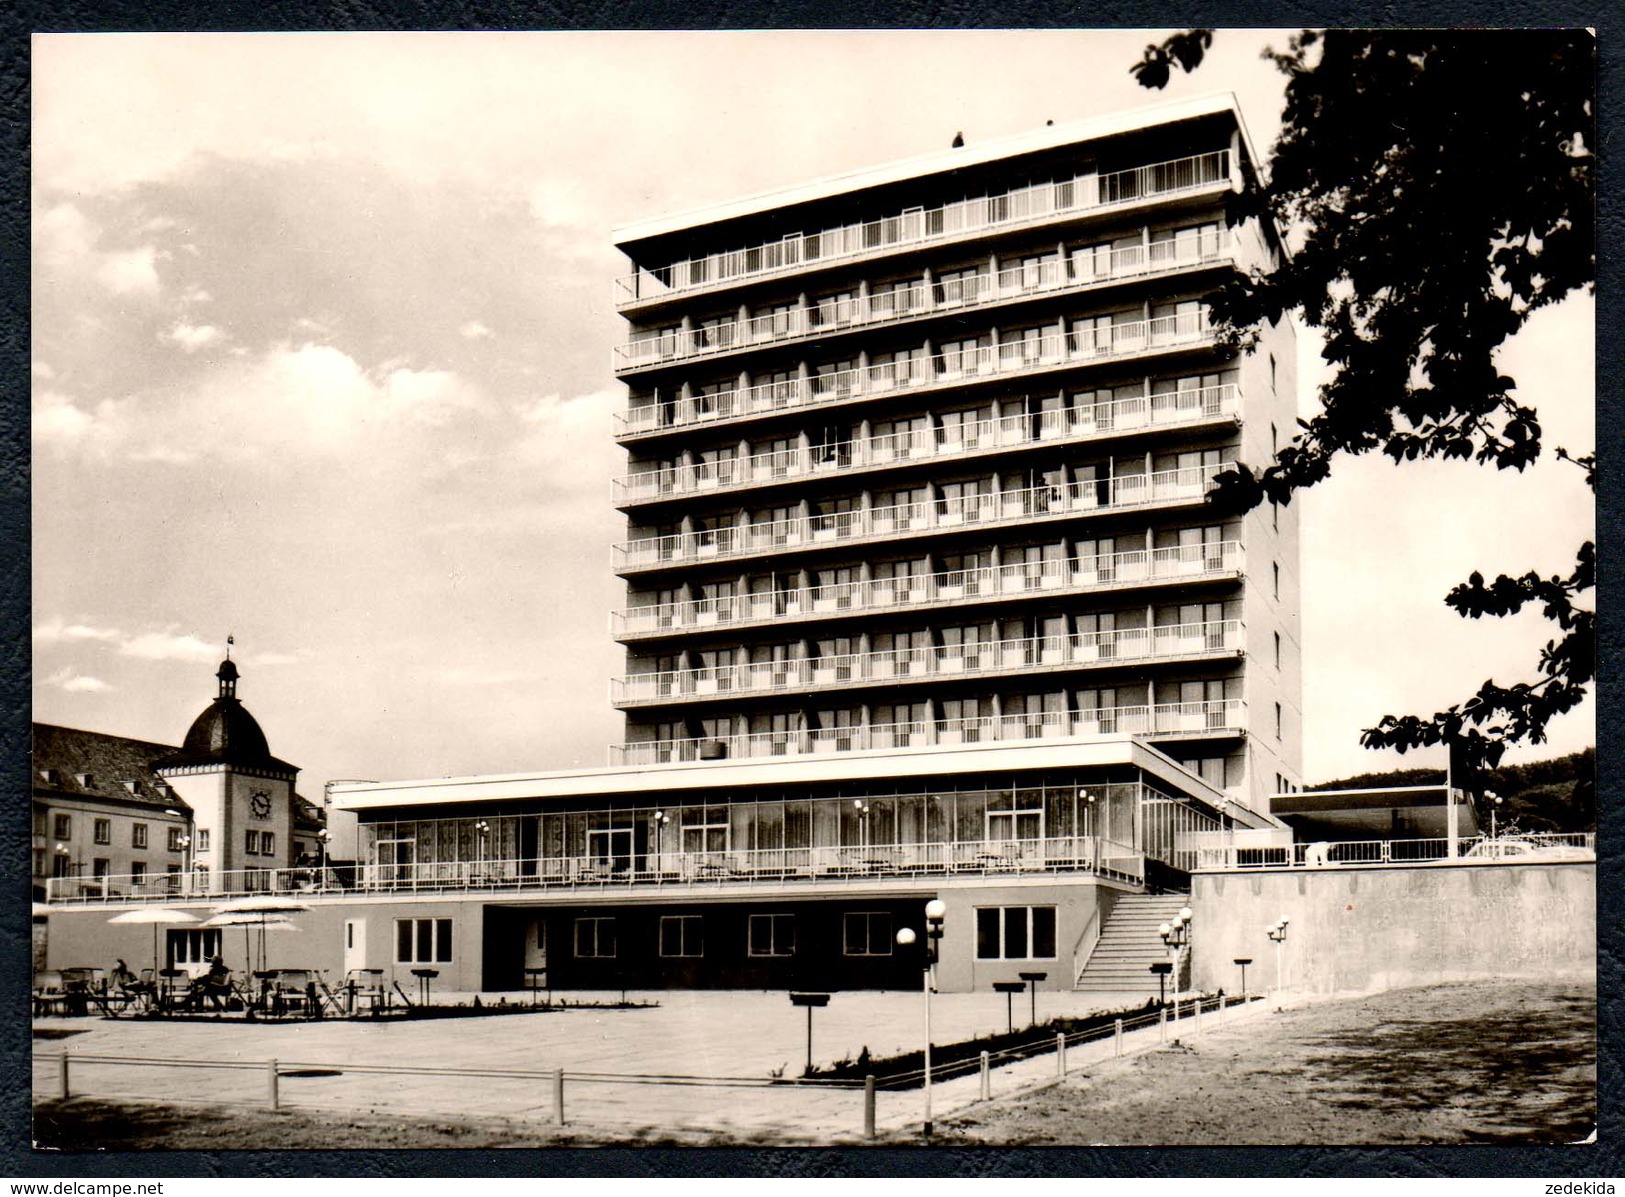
pixel 259 803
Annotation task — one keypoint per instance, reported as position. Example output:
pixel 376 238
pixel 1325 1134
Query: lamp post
pixel 481 830
pixel 862 807
pixel 188 864
pixel 322 838
pixel 1277 933
pixel 1494 801
pixel 935 912
pixel 657 823
pixel 1176 935
pixel 811 1001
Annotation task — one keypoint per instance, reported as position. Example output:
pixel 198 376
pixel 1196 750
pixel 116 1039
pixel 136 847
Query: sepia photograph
pixel 670 588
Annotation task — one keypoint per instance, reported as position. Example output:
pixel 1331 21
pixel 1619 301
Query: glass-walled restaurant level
pixel 1110 828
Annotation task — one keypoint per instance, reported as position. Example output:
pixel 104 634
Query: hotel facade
pixel 923 598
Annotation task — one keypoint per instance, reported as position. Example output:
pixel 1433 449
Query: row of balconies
pixel 1082 574
pixel 866 309
pixel 1024 206
pixel 1166 409
pixel 1028 655
pixel 1214 717
pixel 744 539
pixel 921 371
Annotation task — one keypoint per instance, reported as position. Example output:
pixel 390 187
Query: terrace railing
pixel 895 521
pixel 923 226
pixel 708 476
pixel 1026 655
pixel 1081 574
pixel 919 372
pixel 1216 717
pixel 1505 849
pixel 712 339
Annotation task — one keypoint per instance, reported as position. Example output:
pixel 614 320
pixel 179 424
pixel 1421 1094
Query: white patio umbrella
pixel 247 919
pixel 262 907
pixel 41 910
pixel 158 916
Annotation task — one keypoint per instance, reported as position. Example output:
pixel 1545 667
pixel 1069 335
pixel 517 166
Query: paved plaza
pixel 691 1033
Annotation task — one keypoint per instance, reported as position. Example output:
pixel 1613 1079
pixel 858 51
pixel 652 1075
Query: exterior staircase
pixel 1129 945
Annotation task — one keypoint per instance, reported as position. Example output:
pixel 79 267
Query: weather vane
pixel 230 640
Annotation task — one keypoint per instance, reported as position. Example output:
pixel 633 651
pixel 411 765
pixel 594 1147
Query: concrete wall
pixel 1356 930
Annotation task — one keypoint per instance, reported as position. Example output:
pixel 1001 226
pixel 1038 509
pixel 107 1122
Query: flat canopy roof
pixel 1050 137
pixel 845 767
pixel 1314 802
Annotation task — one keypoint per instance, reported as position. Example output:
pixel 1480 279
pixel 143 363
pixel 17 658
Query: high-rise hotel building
pixel 923 598
pixel 917 457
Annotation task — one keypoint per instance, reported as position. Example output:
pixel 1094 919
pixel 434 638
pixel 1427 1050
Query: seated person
pixel 122 978
pixel 214 985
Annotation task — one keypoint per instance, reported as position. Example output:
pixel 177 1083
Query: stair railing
pixel 1085 947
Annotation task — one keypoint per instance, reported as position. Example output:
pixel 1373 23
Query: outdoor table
pixel 535 974
pixel 424 976
pixel 166 994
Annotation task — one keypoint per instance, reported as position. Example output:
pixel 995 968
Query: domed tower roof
pixel 225 733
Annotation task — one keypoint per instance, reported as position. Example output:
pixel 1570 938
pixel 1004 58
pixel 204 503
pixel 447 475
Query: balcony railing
pixel 913 519
pixel 1104 570
pixel 923 226
pixel 1164 409
pixel 1026 656
pixel 196 886
pixel 1217 717
pixel 713 339
pixel 1519 848
pixel 919 372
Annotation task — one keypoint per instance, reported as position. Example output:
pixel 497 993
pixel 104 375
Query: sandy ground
pixel 1489 1062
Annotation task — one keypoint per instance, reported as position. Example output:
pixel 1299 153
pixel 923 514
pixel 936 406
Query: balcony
pixel 919 300
pixel 1024 657
pixel 1089 574
pixel 971 217
pixel 1171 409
pixel 1014 359
pixel 1219 717
pixel 1002 509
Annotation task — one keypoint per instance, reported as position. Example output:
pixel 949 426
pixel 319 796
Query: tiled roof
pixel 72 763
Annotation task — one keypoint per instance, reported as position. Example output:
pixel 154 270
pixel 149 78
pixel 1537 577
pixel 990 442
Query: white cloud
pixel 191 337
pixel 168 646
pixel 76 683
pixel 130 271
pixel 273 658
pixel 195 294
pixel 474 330
pixel 58 631
pixel 41 369
pixel 58 420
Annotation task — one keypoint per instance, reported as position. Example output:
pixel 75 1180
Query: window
pixel 1277 721
pixel 138 835
pixel 682 935
pixel 772 935
pixel 267 843
pixel 422 941
pixel 174 839
pixel 138 872
pixel 62 827
pixel 705 829
pixel 251 843
pixel 194 946
pixel 868 933
pixel 102 830
pixel 202 839
pixel 39 862
pixel 1015 933
pixel 595 938
pixel 100 867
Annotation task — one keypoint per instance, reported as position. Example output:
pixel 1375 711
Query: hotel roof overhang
pixel 847 768
pixel 1370 808
pixel 630 237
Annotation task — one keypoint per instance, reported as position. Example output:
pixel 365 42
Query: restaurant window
pixel 682 935
pixel 422 941
pixel 772 935
pixel 138 835
pixel 868 933
pixel 194 945
pixel 63 827
pixel 102 830
pixel 595 938
pixel 1015 933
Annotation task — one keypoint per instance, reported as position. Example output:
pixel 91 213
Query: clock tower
pixel 240 795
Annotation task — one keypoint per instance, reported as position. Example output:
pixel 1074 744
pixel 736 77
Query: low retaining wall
pixel 1364 929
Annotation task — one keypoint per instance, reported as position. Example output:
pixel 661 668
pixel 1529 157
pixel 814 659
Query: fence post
pixel 1060 1054
pixel 1117 1035
pixel 869 1106
pixel 1162 1024
pixel 272 1096
pixel 558 1094
pixel 987 1078
pixel 1196 1015
pixel 62 1074
pixel 1221 1006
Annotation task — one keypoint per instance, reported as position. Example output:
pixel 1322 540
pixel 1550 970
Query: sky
pixel 321 360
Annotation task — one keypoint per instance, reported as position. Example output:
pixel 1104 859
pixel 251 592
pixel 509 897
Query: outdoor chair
pixel 364 989
pixel 292 991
